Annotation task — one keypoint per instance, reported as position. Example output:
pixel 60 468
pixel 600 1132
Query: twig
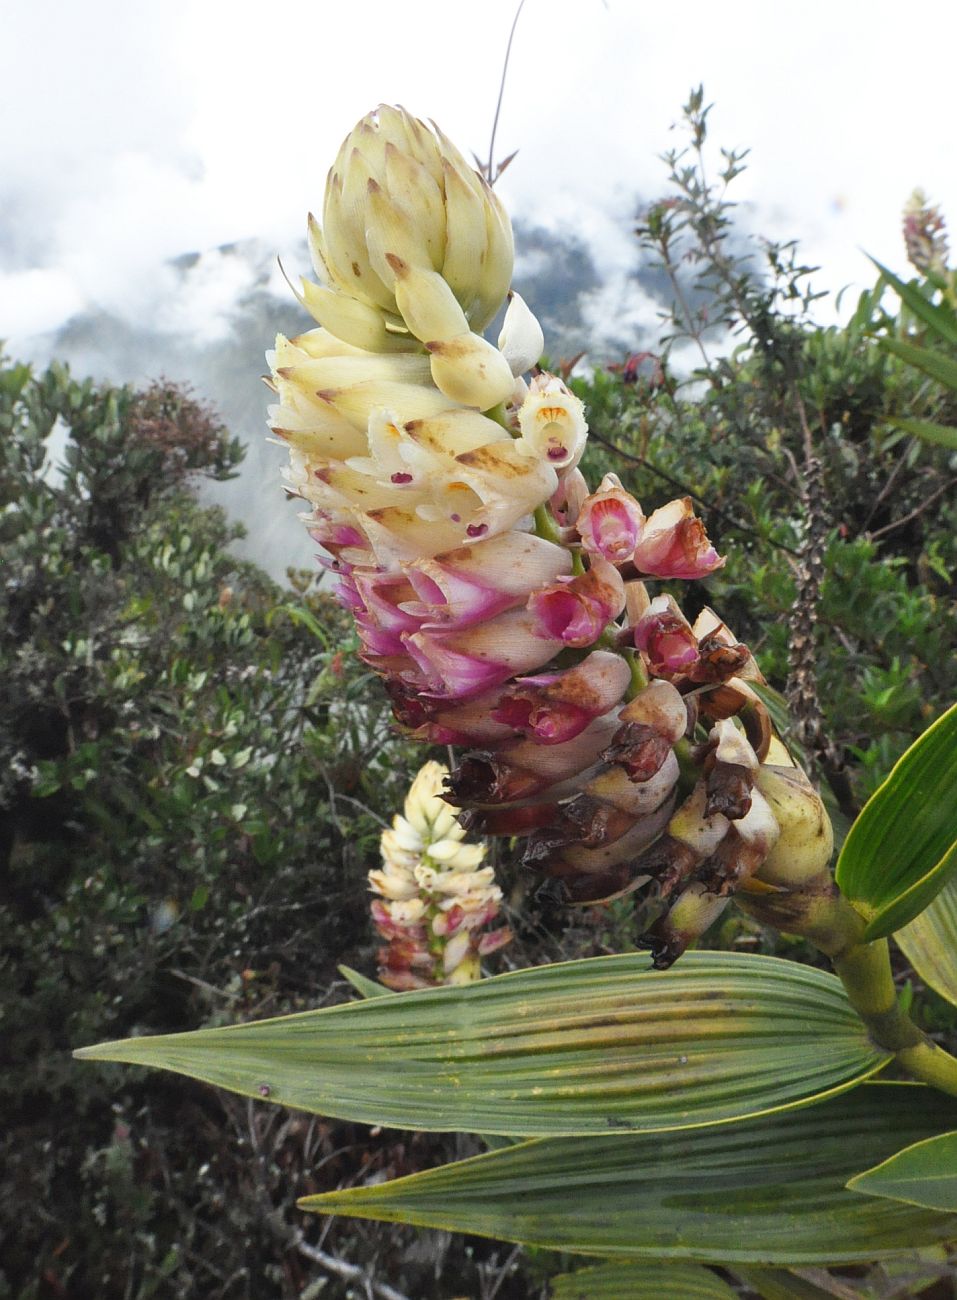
pixel 918 510
pixel 501 92
pixel 682 487
pixel 350 1272
pixel 503 1273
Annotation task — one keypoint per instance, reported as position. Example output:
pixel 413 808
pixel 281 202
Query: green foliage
pixel 902 849
pixel 759 1191
pixel 930 941
pixel 922 1174
pixel 191 788
pixel 641 1282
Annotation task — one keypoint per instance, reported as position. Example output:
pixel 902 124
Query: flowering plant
pixel 516 611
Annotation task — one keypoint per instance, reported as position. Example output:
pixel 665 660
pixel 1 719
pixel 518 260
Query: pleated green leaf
pixel 902 849
pixel 581 1047
pixel 762 1191
pixel 943 434
pixel 922 1174
pixel 935 364
pixel 780 1284
pixel 929 943
pixel 940 319
pixel 630 1281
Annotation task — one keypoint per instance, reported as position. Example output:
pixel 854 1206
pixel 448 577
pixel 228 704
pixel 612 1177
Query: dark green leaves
pixel 595 1046
pixel 903 847
pixel 768 1191
pixel 923 1174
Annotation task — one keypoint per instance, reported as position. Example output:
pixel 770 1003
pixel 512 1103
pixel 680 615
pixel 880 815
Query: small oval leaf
pixel 597 1046
pixel 923 1174
pixel 903 847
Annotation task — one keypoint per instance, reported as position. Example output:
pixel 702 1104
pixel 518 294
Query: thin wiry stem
pixel 501 92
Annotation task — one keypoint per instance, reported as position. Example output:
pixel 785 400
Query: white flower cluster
pixel 434 897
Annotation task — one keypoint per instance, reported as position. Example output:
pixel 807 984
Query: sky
pixel 137 132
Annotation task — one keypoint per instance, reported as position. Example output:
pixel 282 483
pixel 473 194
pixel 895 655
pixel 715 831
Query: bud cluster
pixel 434 897
pixel 506 606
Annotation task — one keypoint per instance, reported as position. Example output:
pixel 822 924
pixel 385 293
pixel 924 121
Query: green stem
pixel 545 525
pixel 865 971
pixel 497 413
pixel 639 678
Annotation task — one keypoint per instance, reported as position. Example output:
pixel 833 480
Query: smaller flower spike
pixel 433 895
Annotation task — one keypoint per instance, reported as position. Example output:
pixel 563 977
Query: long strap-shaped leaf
pixel 581 1047
pixel 761 1191
pixel 628 1280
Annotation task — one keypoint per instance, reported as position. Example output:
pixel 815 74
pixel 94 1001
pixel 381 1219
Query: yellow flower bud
pixel 400 191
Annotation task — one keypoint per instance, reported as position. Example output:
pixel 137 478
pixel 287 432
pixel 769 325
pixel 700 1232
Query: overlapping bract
pixel 434 898
pixel 506 606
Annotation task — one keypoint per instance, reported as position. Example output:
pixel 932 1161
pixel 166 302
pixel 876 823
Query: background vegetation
pixel 194 766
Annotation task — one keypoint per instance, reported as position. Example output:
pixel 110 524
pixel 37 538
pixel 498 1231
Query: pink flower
pixel 524 769
pixel 674 544
pixel 468 661
pixel 610 522
pixel 472 583
pixel 575 611
pixel 557 706
pixel 666 638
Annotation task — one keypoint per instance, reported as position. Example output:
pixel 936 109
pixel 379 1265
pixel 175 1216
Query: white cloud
pixel 149 131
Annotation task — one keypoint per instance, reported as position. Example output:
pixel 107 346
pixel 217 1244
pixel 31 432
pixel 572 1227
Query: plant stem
pixel 819 913
pixel 545 525
pixel 865 971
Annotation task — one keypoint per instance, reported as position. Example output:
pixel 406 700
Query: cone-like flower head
pixel 506 606
pixel 414 250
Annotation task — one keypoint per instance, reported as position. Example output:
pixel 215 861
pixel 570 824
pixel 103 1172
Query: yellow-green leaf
pixel 922 1174
pixel 935 364
pixel 901 850
pixel 943 434
pixel 941 319
pixel 782 1284
pixel 630 1281
pixel 762 1191
pixel 929 943
pixel 362 984
pixel 595 1046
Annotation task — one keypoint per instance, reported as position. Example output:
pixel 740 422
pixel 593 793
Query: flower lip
pixel 610 522
pixel 666 638
pixel 577 610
